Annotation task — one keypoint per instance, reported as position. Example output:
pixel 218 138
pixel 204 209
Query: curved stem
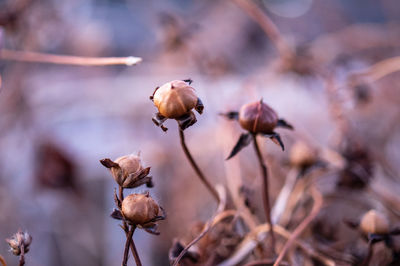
pixel 369 254
pixel 135 253
pixel 267 206
pixel 127 244
pixel 22 256
pixel 196 168
pixel 125 228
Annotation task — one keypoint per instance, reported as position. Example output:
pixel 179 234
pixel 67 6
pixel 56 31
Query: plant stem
pixel 125 227
pixel 267 207
pixel 26 56
pixel 134 252
pixel 22 256
pixel 196 168
pixel 369 254
pixel 127 244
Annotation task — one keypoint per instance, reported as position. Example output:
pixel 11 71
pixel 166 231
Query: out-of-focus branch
pixel 258 234
pixel 33 57
pixel 377 71
pixel 219 215
pixel 2 261
pixel 268 26
pixel 318 200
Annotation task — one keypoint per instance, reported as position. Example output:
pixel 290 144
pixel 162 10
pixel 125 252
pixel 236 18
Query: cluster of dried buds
pixel 19 244
pixel 375 227
pixel 176 100
pixel 128 171
pixel 136 210
pixel 256 118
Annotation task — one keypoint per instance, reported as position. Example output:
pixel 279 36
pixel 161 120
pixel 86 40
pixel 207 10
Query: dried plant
pixel 136 210
pixel 176 100
pixel 259 119
pixel 19 245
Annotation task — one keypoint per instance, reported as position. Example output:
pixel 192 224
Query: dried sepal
pixel 158 120
pixel 199 106
pixel 186 120
pixel 117 200
pixel 116 214
pixel 137 179
pixel 232 115
pixel 276 138
pixel 284 124
pixel 108 163
pixel 243 141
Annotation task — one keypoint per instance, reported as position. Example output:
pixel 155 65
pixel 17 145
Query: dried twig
pixel 267 26
pixel 284 194
pixel 34 57
pixel 2 261
pixel 377 71
pixel 219 215
pixel 258 235
pixel 303 225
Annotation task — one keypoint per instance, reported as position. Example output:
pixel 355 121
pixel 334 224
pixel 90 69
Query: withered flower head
pixel 20 240
pixel 128 171
pixel 302 155
pixel 176 100
pixel 374 222
pixel 256 118
pixel 141 209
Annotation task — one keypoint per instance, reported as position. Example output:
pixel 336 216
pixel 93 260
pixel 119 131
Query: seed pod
pixel 175 99
pixel 374 222
pixel 128 164
pixel 128 171
pixel 139 209
pixel 302 155
pixel 18 241
pixel 258 117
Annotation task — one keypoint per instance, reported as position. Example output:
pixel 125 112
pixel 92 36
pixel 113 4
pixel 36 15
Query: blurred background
pixel 57 122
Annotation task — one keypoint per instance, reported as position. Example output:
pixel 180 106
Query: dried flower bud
pixel 374 222
pixel 18 241
pixel 140 209
pixel 128 171
pixel 302 155
pixel 175 99
pixel 258 117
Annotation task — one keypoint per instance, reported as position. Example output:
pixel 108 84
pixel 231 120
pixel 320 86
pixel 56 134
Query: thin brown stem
pixel 2 261
pixel 369 254
pixel 267 25
pixel 127 245
pixel 22 256
pixel 34 57
pixel 135 253
pixel 196 168
pixel 125 227
pixel 303 225
pixel 267 206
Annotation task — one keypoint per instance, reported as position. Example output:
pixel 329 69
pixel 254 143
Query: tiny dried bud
pixel 175 99
pixel 128 171
pixel 129 164
pixel 302 155
pixel 374 222
pixel 140 209
pixel 18 241
pixel 258 117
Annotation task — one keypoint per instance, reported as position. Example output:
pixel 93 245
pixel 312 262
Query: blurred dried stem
pixel 318 201
pixel 33 57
